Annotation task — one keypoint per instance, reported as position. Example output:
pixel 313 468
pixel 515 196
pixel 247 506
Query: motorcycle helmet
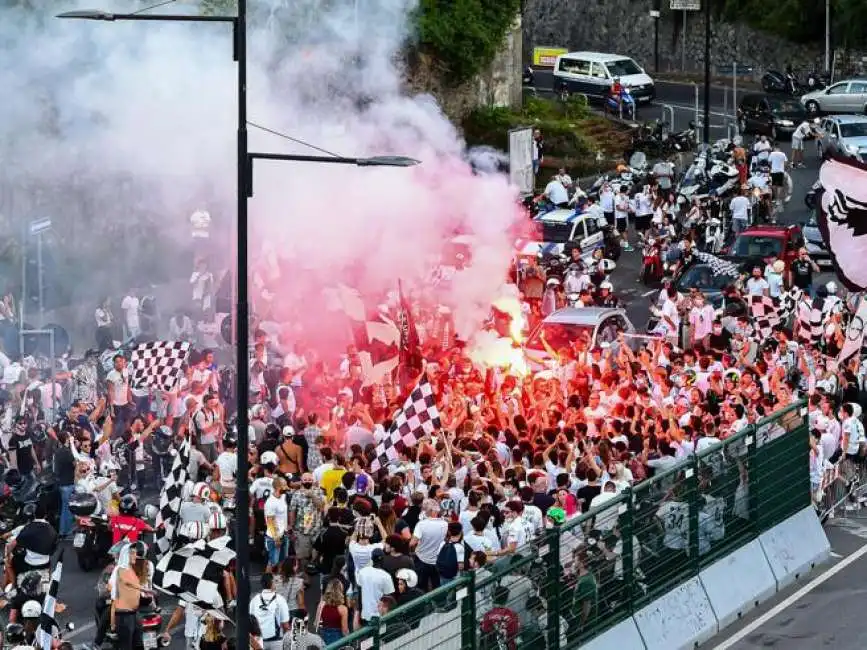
pixel 193 530
pixel 269 458
pixel 151 512
pixel 217 521
pixel 82 504
pixel 831 288
pixel 128 505
pixel 201 491
pixel 31 584
pixel 31 609
pixel 15 634
pixel 607 286
pixel 13 478
pixel 608 265
pixel 409 576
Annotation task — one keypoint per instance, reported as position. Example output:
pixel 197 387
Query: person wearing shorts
pixel 798 136
pixel 778 162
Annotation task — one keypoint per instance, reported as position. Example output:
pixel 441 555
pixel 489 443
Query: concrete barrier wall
pixel 726 590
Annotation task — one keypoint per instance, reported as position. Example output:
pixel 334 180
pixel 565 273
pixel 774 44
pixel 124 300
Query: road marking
pixel 835 555
pixel 649 293
pixel 78 630
pixel 791 600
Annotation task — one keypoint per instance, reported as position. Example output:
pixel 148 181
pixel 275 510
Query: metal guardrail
pixel 578 580
pixel 666 109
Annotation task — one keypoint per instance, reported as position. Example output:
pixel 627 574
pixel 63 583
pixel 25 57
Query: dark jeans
pixel 428 576
pixel 128 632
pixel 102 620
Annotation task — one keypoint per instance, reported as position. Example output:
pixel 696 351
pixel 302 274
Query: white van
pixel 592 73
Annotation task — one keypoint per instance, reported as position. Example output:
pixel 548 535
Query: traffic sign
pixel 685 5
pixel 40 226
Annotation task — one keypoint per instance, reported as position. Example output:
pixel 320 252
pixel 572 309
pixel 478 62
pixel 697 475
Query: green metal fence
pixel 596 570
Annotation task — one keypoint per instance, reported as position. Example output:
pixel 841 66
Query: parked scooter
pixel 785 83
pixel 92 540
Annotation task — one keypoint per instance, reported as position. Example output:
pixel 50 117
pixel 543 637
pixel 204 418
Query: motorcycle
pixel 150 621
pixel 685 140
pixel 786 83
pixel 817 81
pixel 651 262
pixel 92 540
pixel 626 107
pixel 528 77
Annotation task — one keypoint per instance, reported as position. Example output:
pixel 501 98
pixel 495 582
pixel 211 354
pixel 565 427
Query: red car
pixel 756 243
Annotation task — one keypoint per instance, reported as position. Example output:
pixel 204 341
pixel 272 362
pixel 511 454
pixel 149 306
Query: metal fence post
pixel 554 591
pixel 469 627
pixel 626 535
pixel 691 477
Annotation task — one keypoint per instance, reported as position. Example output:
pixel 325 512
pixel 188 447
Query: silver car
pixel 597 325
pixel 848 96
pixel 846 133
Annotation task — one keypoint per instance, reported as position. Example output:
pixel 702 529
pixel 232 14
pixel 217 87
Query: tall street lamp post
pixel 242 309
pixel 706 116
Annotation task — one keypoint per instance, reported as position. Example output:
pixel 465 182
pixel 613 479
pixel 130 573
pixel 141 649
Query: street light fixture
pixel 244 190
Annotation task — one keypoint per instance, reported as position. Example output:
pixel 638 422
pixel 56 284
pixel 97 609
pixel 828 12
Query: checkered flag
pixel 719 266
pixel 47 623
pixel 418 417
pixel 170 499
pixel 158 364
pixel 810 321
pixel 767 312
pixel 194 572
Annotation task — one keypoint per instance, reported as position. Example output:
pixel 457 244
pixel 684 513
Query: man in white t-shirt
pixel 740 209
pixel 276 524
pixel 778 161
pixel 227 464
pixel 805 129
pixel 373 583
pixel 428 536
pixel 119 395
pixel 556 193
pixel 757 285
pixel 130 305
pixel 701 318
pixel 762 148
pixel 271 612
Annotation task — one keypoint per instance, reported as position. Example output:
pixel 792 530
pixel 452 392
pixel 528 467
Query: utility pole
pixel 706 125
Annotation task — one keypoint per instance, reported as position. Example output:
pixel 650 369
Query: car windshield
pixel 558 335
pixel 786 106
pixel 703 278
pixel 757 246
pixel 853 130
pixel 553 232
pixel 622 67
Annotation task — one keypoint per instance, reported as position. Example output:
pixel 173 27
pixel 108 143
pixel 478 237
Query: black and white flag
pixel 158 364
pixel 418 417
pixel 767 312
pixel 170 499
pixel 194 572
pixel 810 321
pixel 719 266
pixel 47 623
pixel 854 342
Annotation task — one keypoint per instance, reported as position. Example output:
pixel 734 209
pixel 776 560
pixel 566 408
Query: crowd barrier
pixel 666 564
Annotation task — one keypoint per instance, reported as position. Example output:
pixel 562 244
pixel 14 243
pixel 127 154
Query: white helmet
pixel 151 512
pixel 552 282
pixel 193 530
pixel 31 609
pixel 108 466
pixel 831 287
pixel 269 458
pixel 201 491
pixel 217 521
pixel 409 576
pixel 606 285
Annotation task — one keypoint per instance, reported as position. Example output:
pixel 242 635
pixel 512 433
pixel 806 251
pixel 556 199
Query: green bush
pixel 464 35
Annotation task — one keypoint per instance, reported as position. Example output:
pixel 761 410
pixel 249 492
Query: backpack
pixel 447 559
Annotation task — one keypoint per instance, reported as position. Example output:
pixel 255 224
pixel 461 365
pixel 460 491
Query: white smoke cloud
pixel 126 128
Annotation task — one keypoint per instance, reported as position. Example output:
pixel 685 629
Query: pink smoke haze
pixel 156 103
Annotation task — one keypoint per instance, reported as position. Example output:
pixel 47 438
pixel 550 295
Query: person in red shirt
pixel 500 624
pixel 617 91
pixel 127 524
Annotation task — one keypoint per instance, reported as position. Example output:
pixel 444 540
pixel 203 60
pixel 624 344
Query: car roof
pixel 560 216
pixel 848 119
pixel 589 316
pixel 600 57
pixel 768 230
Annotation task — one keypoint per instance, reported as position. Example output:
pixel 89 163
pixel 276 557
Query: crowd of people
pixel 344 539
